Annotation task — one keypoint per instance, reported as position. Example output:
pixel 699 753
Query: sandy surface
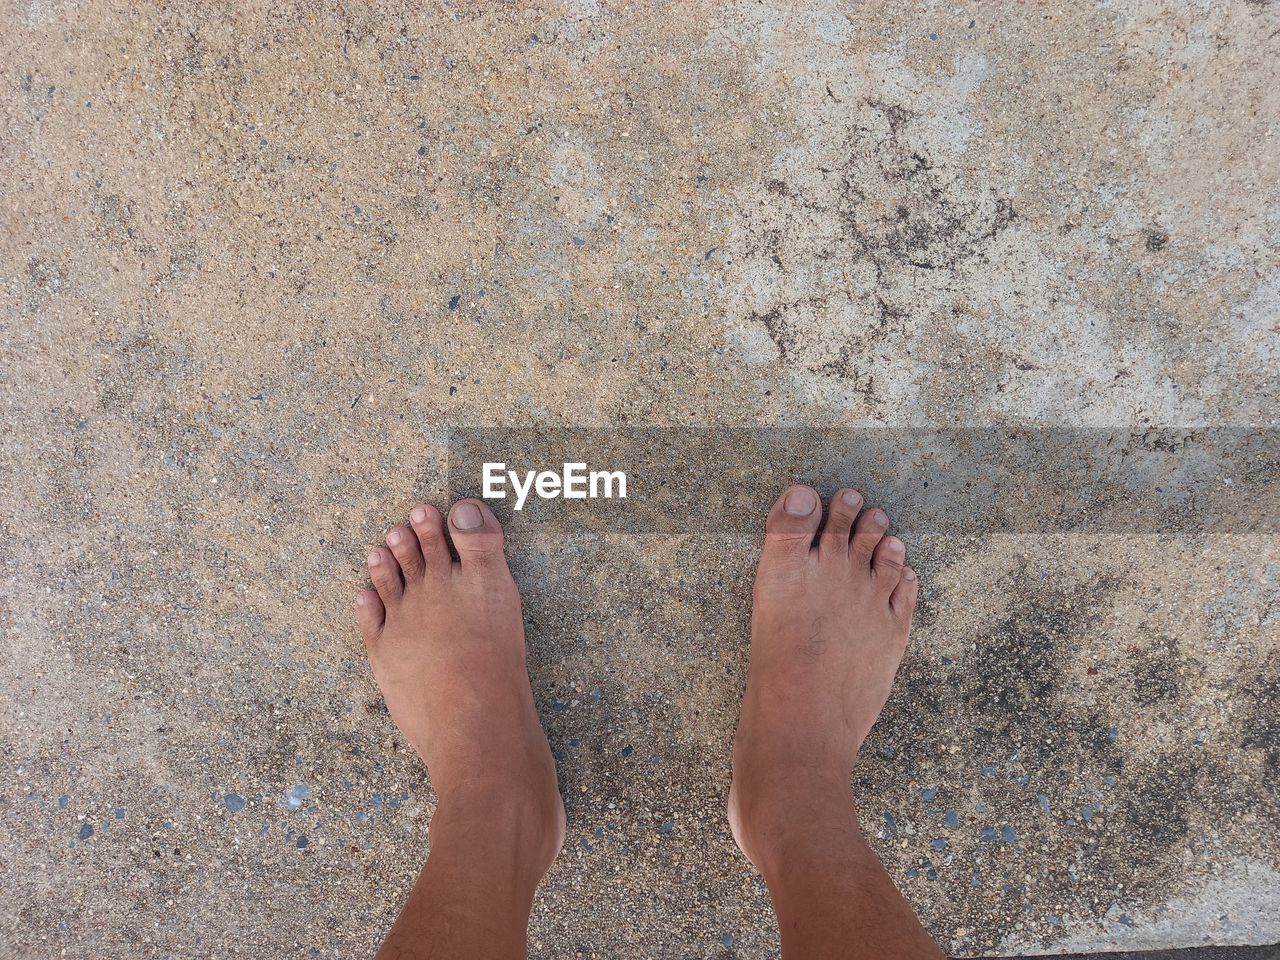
pixel 258 260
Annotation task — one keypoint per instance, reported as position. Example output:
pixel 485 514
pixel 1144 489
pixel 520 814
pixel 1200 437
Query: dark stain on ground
pixel 1154 672
pixel 898 210
pixel 1156 238
pixel 1012 693
pixel 46 277
pixel 1158 810
pixel 1044 759
pixel 1262 726
pixel 894 210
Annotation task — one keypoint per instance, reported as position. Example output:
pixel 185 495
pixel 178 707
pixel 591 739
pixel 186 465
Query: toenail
pixel 375 558
pixel 851 498
pixel 359 599
pixel 394 537
pixel 894 545
pixel 908 574
pixel 466 516
pixel 419 515
pixel 800 502
pixel 880 517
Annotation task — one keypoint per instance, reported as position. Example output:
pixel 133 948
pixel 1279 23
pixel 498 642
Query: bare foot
pixel 828 629
pixel 446 642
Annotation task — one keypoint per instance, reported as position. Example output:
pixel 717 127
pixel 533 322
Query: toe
pixel 793 521
pixel 840 516
pixel 384 571
pixel 903 600
pixel 476 533
pixel 867 531
pixel 886 563
pixel 429 526
pixel 404 544
pixel 370 614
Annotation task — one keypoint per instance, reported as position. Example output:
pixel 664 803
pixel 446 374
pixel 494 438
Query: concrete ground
pixel 258 260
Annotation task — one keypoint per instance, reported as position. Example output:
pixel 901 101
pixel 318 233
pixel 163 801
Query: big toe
pixel 476 533
pixel 793 521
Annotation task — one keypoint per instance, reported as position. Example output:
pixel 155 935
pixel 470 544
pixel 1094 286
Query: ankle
pixel 520 825
pixel 781 816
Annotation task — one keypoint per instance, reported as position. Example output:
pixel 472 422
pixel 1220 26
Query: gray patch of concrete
pixel 1191 953
pixel 1235 907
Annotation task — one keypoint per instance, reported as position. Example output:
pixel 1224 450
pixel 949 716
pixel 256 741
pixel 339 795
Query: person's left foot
pixel 829 624
pixel 446 643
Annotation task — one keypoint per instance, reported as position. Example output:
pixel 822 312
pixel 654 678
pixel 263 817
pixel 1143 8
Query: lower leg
pixel 829 627
pixel 473 897
pixel 830 892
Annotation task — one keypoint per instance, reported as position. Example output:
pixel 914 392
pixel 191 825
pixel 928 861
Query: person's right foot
pixel 828 629
pixel 446 643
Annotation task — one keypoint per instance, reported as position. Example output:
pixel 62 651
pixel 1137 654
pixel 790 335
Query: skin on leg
pixel 829 625
pixel 445 640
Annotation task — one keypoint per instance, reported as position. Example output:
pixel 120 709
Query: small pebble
pixel 299 795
